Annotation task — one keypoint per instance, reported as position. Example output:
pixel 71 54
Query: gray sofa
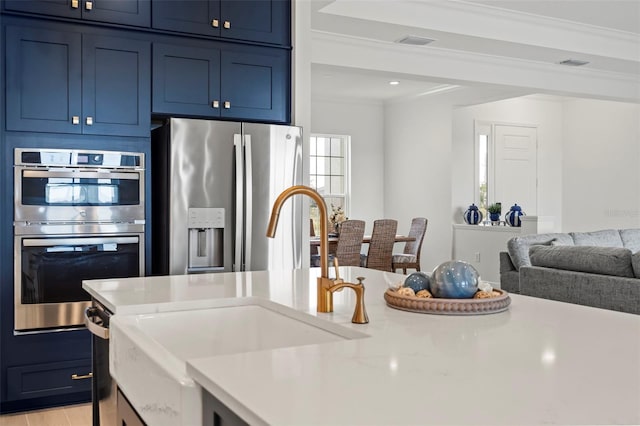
pixel 599 269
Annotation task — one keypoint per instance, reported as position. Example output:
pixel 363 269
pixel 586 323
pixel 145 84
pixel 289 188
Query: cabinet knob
pixel 75 120
pixel 89 121
pixel 227 104
pixel 88 5
pixel 215 104
pixel 227 24
pixel 215 23
pixel 75 4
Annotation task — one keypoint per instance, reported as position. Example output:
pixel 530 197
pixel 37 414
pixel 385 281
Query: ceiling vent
pixel 573 62
pixel 415 40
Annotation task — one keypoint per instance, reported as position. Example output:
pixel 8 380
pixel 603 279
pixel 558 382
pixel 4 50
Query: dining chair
pixel 350 242
pixel 314 250
pixel 410 257
pixel 380 251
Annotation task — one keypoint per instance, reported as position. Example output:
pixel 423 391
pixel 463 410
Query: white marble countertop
pixel 540 362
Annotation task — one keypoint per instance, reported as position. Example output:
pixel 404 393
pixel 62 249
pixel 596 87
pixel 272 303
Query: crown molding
pixel 475 20
pixel 466 68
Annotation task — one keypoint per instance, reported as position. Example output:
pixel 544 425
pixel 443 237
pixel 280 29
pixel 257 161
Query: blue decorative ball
pixel 454 279
pixel 417 281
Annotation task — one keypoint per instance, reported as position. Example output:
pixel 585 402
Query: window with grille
pixel 329 173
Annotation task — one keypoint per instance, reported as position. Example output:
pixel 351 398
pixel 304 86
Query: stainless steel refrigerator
pixel 213 185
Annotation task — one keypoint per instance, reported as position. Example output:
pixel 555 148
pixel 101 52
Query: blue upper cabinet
pixel 126 12
pixel 68 82
pixel 255 84
pixel 34 103
pixel 262 21
pixel 116 90
pixel 230 81
pixel 186 80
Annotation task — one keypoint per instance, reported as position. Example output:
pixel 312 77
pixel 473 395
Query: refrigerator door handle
pixel 237 264
pixel 248 174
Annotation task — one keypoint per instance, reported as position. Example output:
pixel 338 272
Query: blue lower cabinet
pixel 56 378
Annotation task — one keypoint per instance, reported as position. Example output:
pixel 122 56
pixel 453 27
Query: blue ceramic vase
pixel 512 217
pixel 472 216
pixel 417 281
pixel 454 279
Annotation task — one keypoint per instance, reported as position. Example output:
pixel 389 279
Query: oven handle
pixel 79 175
pixel 44 242
pixel 95 329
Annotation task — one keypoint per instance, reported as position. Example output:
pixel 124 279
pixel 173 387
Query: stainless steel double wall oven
pixel 78 215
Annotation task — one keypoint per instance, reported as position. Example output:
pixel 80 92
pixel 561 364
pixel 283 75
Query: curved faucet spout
pixel 322 207
pixel 325 285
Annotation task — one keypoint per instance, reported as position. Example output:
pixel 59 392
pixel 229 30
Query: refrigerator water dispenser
pixel 206 238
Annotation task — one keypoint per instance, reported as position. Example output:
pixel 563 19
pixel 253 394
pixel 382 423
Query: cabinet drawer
pixel 56 378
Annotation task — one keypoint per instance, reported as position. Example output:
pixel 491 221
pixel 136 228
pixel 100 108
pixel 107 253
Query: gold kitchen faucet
pixel 326 286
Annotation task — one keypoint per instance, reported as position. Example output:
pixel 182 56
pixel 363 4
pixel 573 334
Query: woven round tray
pixel 448 306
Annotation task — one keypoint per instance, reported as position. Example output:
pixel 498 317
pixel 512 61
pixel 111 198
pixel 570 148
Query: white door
pixel 515 168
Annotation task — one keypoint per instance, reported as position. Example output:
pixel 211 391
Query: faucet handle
pixel 336 267
pixel 360 279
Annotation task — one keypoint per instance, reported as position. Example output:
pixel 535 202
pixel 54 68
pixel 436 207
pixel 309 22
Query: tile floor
pixel 71 415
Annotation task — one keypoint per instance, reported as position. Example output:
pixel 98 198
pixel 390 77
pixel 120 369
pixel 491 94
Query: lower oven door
pixel 49 272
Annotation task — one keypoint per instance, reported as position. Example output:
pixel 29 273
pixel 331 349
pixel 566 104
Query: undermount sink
pixel 149 352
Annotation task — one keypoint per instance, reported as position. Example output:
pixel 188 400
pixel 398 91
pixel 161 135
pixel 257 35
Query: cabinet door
pixel 254 81
pixel 188 16
pixel 127 415
pixel 64 8
pixel 43 80
pixel 126 12
pixel 215 413
pixel 116 94
pixel 186 80
pixel 48 379
pixel 266 21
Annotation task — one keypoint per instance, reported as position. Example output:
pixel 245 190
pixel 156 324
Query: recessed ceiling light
pixel 394 83
pixel 415 40
pixel 573 62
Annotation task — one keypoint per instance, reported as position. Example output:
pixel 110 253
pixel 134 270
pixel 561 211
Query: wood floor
pixel 71 415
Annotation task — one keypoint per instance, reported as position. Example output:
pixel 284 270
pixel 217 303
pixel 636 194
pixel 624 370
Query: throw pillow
pixel 605 238
pixel 591 259
pixel 635 263
pixel 631 239
pixel 518 247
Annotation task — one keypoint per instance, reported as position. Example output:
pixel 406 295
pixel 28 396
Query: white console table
pixel 481 245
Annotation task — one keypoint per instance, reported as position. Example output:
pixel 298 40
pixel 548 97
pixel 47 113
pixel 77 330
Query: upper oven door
pixel 78 195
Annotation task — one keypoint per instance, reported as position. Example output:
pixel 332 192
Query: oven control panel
pixel 71 158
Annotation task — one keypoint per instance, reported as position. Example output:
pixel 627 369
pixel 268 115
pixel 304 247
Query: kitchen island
pixel 538 362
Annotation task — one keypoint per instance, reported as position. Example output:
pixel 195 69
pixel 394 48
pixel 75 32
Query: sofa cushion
pixel 605 238
pixel 635 263
pixel 592 259
pixel 631 239
pixel 518 247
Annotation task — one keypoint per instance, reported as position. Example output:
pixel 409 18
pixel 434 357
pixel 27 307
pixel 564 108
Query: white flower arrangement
pixel 337 215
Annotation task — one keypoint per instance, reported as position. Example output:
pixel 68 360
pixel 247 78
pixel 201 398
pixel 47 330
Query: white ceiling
pixel 605 24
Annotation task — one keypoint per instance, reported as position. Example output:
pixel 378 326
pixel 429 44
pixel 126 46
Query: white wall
pixel 547 115
pixel 364 122
pixel 418 171
pixel 601 164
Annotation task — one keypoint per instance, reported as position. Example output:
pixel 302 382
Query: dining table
pixel 333 240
